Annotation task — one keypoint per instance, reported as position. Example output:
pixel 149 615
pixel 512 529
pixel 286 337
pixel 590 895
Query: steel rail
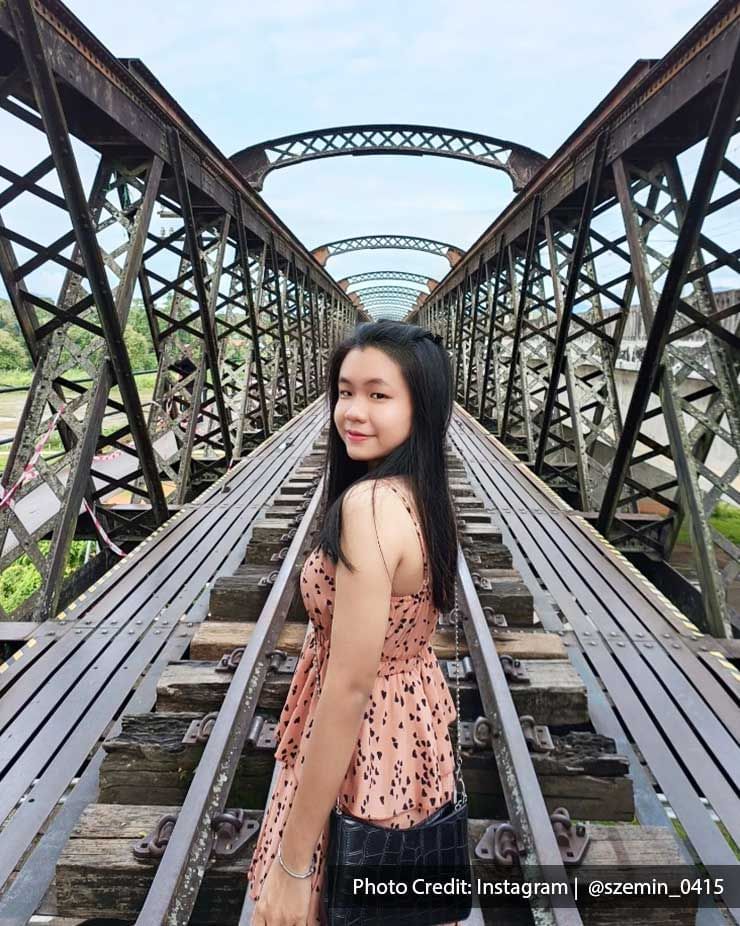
pixel 522 791
pixel 586 600
pixel 173 892
pixel 20 900
pixel 113 644
pixel 129 577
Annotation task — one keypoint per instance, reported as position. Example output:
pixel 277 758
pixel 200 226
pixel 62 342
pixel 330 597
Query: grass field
pixel 726 519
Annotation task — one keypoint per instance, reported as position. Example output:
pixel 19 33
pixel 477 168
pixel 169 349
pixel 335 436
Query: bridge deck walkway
pixel 73 677
pixel 678 703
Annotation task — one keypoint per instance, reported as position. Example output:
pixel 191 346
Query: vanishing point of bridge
pixel 588 476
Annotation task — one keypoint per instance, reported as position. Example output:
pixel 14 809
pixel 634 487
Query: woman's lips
pixel 358 437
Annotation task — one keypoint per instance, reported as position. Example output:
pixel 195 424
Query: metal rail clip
pixel 500 844
pixel 481 582
pixel 572 839
pixel 152 847
pixel 262 733
pixel 199 730
pixel 233 830
pixel 492 618
pixel 289 535
pixel 537 735
pixel 514 670
pixel 475 735
pixel 281 662
pixel 461 669
pixel 268 579
pixel 229 661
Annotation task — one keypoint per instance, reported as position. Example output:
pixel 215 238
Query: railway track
pixel 547 790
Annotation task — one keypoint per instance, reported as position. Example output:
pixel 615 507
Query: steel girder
pixel 536 312
pixel 241 318
pixel 376 242
pixel 518 161
pixel 402 276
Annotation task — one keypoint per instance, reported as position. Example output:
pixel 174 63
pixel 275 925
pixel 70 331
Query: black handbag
pixel 434 851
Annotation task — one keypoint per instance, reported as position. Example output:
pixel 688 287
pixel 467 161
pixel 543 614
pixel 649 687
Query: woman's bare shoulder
pixel 388 487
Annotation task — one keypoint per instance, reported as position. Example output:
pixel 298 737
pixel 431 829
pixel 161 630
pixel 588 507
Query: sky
pixel 528 71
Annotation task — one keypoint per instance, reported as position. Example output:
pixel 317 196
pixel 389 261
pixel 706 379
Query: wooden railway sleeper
pixel 232 831
pixel 262 733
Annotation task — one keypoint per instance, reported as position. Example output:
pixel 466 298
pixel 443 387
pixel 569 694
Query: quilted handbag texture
pixel 435 849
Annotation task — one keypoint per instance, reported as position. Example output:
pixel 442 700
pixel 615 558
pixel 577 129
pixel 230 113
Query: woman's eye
pixel 381 394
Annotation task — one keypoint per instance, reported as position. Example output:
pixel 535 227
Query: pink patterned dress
pixel 402 769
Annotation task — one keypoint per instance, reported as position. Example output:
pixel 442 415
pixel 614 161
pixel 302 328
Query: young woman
pixel 377 736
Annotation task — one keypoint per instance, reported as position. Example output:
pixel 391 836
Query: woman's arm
pixel 359 624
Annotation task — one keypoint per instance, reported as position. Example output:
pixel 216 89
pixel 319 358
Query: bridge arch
pixel 374 293
pixel 518 161
pixel 402 276
pixel 374 242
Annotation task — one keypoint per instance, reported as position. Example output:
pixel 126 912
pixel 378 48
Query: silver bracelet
pixel 293 874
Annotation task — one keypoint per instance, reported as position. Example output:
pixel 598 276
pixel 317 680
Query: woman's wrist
pixel 302 871
pixel 294 858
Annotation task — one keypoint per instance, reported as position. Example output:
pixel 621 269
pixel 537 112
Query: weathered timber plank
pixel 214 638
pixel 555 694
pixel 147 761
pixel 97 874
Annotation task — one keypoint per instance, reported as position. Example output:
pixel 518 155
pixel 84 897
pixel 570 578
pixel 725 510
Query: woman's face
pixel 374 401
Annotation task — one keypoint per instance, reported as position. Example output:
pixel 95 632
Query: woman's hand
pixel 283 899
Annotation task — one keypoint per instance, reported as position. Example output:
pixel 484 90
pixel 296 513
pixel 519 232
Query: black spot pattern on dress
pixel 402 768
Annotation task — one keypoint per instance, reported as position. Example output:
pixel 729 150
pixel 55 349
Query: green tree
pixel 139 349
pixel 13 354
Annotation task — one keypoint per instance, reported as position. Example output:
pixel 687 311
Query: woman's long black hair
pixel 426 368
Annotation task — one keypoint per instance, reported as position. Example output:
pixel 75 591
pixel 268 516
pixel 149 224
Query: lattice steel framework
pixel 402 276
pixel 241 318
pixel 535 314
pixel 518 161
pixel 400 293
pixel 379 242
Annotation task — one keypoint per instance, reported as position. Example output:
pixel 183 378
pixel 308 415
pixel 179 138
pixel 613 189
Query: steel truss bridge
pixel 533 313
pixel 586 497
